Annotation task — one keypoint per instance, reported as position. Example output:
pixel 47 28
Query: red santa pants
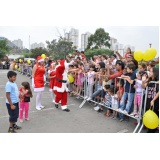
pixel 63 97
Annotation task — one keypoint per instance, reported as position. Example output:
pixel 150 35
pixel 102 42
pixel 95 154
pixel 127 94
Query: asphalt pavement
pixel 53 120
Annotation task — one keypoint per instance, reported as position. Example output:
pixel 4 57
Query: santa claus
pixel 60 85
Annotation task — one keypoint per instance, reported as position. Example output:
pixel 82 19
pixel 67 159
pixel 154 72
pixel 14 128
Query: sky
pixel 138 36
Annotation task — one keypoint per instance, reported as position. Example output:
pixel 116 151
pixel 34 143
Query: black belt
pixel 59 80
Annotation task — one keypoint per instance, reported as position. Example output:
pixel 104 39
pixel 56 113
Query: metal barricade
pixel 139 118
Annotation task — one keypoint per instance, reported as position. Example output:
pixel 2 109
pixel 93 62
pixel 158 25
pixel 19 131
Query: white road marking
pixel 37 111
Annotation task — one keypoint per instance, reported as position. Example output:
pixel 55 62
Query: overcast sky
pixel 139 36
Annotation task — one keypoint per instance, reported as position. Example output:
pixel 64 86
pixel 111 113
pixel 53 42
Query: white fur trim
pixel 33 85
pixel 64 107
pixel 62 89
pixel 38 89
pixel 51 90
pixel 41 60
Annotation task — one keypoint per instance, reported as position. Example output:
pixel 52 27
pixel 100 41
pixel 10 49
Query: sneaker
pixel 89 99
pixel 27 119
pixel 125 112
pixel 17 127
pixel 96 108
pixel 115 118
pixel 11 130
pixel 38 108
pixel 21 120
pixel 100 110
pixel 136 116
pixel 42 107
pixel 121 120
pixel 78 97
pixel 112 116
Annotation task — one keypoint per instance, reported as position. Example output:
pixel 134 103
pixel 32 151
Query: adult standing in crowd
pixel 38 81
pixel 153 92
pixel 127 57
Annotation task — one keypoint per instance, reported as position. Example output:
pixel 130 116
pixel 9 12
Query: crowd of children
pixel 114 81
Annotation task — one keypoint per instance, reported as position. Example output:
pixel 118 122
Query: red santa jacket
pixel 61 79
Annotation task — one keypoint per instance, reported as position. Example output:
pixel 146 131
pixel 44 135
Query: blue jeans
pixel 129 97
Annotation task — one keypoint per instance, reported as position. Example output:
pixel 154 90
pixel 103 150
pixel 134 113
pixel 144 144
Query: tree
pixel 4 48
pixel 59 49
pixel 99 40
pixel 92 52
pixel 38 51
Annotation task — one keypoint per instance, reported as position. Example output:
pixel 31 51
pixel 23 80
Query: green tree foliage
pixel 37 52
pixel 91 53
pixel 59 49
pixel 4 48
pixel 99 39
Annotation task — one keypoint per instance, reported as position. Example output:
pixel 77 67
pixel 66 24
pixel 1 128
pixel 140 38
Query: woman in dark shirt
pixel 153 91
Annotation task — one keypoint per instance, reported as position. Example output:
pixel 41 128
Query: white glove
pixel 33 85
pixel 44 78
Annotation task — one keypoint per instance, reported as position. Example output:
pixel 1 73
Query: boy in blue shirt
pixel 129 90
pixel 12 101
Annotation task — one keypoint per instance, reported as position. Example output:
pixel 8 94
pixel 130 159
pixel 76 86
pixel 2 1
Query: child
pixel 75 80
pixel 52 77
pixel 114 102
pixel 108 100
pixel 24 94
pixel 70 84
pixel 90 76
pixel 120 88
pixel 12 101
pixel 98 84
pixel 138 96
pixel 129 90
pixel 80 78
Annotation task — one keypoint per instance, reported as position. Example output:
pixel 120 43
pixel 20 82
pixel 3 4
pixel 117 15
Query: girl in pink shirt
pixel 24 95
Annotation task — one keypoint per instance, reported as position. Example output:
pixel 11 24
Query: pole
pixel 29 44
pixel 150 45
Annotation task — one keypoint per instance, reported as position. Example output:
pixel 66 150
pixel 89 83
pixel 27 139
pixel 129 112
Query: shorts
pixel 137 100
pixel 13 114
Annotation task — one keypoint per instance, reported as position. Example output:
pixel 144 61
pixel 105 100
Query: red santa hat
pixel 62 62
pixel 40 59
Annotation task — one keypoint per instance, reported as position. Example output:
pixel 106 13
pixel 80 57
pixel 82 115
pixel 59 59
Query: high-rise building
pixel 9 43
pixel 84 40
pixel 18 43
pixel 113 42
pixel 37 45
pixel 73 36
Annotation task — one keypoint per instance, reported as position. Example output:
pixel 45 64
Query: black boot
pixel 67 110
pixel 56 105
